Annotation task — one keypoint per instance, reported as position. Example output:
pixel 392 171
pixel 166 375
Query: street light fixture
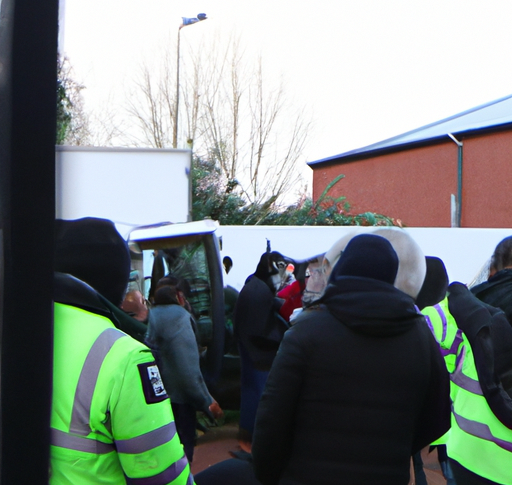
pixel 186 21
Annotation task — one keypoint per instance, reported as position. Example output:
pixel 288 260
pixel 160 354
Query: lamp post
pixel 185 22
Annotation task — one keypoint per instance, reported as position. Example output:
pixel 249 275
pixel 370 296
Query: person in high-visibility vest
pixel 478 444
pixel 111 420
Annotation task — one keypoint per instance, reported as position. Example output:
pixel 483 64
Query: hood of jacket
pixel 497 291
pixel 69 290
pixel 371 307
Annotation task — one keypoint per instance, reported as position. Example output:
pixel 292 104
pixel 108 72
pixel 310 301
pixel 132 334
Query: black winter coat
pixel 497 292
pixel 358 385
pixel 257 323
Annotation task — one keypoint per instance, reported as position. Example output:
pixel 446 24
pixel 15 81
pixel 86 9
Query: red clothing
pixel 292 296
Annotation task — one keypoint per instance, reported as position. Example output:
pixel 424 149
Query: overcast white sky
pixel 369 69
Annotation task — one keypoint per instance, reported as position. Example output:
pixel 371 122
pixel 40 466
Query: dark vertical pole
pixel 177 100
pixel 28 53
pixel 459 184
pixel 459 179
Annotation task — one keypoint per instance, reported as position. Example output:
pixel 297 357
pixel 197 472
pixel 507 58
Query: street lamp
pixel 186 21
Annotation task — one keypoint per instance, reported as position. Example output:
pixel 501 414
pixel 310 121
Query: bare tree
pixel 248 125
pixel 230 112
pixel 222 111
pixel 274 149
pixel 109 128
pixel 150 106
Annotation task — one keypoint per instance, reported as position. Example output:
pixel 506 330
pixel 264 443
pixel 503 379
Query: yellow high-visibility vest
pixel 111 419
pixel 476 439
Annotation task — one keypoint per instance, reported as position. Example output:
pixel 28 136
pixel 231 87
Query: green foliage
pixel 213 197
pixel 216 198
pixel 64 105
pixel 332 211
pixel 71 121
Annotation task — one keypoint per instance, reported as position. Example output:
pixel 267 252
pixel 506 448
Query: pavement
pixel 216 444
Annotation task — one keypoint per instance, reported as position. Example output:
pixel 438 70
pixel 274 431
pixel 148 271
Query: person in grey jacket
pixel 171 335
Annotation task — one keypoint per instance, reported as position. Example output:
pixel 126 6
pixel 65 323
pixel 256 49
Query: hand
pixel 216 410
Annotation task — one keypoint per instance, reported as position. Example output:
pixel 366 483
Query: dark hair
pixel 167 281
pixel 170 280
pixel 502 256
pixel 166 295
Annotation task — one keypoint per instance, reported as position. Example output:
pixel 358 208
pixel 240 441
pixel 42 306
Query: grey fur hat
pixel 412 267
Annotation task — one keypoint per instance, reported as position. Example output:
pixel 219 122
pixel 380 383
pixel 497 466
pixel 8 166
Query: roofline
pixel 354 155
pixel 364 152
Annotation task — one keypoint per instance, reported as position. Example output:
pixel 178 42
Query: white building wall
pixel 464 250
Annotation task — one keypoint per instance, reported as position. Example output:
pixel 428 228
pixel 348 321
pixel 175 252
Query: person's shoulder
pixel 314 311
pixel 166 310
pixel 312 316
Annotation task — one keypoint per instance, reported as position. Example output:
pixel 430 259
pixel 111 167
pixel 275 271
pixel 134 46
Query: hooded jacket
pixel 258 326
pixel 497 292
pixel 358 386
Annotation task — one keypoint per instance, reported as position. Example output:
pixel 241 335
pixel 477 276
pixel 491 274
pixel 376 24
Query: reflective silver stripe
pixel 462 380
pixel 190 480
pixel 443 320
pixel 456 342
pixel 167 476
pixel 88 378
pixel 480 430
pixel 467 383
pixel 79 443
pixel 429 323
pixel 147 441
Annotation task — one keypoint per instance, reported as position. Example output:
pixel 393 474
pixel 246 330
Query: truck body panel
pixel 130 186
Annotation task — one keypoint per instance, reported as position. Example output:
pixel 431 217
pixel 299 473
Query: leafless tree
pixel 230 112
pixel 248 125
pixel 150 106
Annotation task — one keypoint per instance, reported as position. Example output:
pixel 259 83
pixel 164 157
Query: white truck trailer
pixel 147 194
pixel 130 186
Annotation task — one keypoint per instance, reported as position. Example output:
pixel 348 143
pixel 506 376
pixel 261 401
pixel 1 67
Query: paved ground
pixel 214 446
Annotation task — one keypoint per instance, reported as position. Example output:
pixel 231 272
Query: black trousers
pixel 228 472
pixel 185 419
pixel 463 476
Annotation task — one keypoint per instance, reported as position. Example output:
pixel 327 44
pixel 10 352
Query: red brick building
pixel 455 172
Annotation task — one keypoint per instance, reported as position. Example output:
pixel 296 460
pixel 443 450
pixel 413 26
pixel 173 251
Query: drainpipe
pixel 459 178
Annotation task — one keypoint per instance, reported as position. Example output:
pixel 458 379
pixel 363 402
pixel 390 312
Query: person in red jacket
pixel 307 287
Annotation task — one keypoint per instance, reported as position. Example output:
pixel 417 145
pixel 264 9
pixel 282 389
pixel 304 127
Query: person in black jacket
pixel 358 384
pixel 258 329
pixel 497 290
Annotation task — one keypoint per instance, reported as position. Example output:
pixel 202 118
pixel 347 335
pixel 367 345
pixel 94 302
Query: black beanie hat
pixel 435 284
pixel 368 256
pixel 93 251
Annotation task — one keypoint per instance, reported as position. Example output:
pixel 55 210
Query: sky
pixel 366 70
